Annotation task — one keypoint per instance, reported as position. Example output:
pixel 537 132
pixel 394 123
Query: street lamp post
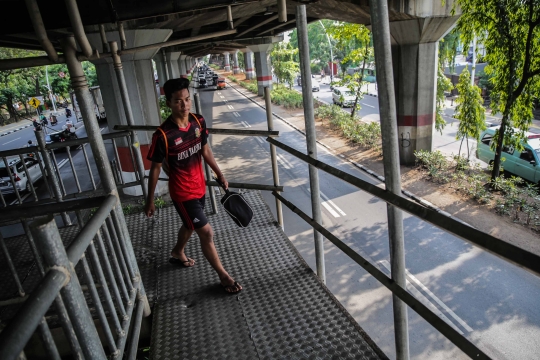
pixel 331 54
pixel 49 88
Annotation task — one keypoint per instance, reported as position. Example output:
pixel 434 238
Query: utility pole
pixel 49 88
pixel 473 59
pixel 331 53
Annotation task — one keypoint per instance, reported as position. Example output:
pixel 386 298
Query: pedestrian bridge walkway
pixel 284 311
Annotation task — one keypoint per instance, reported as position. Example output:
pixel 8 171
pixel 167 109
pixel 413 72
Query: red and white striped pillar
pixel 248 64
pixel 263 66
pixel 236 68
pixel 227 63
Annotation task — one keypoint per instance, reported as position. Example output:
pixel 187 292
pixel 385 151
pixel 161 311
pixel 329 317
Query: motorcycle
pixel 68 113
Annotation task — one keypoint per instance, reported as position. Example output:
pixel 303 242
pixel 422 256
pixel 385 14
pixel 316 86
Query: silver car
pixel 19 175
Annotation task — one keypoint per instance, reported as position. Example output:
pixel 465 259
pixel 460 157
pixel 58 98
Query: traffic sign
pixel 34 102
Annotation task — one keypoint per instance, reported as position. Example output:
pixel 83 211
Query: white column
pixel 263 66
pixel 227 63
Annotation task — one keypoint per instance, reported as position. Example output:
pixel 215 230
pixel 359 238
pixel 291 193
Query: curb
pixel 15 130
pixel 370 172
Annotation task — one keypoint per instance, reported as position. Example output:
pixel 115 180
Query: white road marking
pixel 236 114
pixel 434 297
pixel 246 124
pixel 23 198
pixel 330 210
pixel 62 163
pixel 230 107
pixel 221 96
pixel 371 106
pixel 284 162
pixel 260 140
pixel 219 92
pixel 101 129
pixel 332 203
pixel 11 141
pixel 224 100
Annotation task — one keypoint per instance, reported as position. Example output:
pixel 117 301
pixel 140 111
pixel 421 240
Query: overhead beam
pixel 277 27
pixel 270 19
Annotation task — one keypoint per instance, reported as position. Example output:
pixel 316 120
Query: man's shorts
pixel 192 213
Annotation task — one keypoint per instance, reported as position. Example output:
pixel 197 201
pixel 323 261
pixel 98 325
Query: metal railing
pixel 487 242
pixel 98 258
pixel 54 182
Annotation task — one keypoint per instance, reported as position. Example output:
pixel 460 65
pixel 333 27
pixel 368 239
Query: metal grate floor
pixel 284 311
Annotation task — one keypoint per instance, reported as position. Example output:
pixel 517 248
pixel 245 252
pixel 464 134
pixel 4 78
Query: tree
pixel 59 85
pixel 285 67
pixel 469 110
pixel 319 49
pixel 443 85
pixel 90 72
pixel 510 32
pixel 448 49
pixel 18 84
pixel 356 38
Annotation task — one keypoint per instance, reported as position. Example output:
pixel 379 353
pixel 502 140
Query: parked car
pixel 342 96
pixel 525 163
pixel 19 175
pixel 315 85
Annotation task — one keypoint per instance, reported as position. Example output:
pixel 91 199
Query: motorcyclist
pixel 30 143
pixel 68 112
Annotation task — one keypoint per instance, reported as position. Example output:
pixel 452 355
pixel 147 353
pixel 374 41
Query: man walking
pixel 180 142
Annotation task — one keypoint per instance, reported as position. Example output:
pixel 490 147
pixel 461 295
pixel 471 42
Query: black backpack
pixel 236 206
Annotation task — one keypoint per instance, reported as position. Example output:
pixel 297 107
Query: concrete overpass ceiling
pixel 187 18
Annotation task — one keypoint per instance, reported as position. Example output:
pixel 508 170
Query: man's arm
pixel 209 158
pixel 155 170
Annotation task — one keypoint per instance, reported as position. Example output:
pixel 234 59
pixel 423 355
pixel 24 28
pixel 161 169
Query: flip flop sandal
pixel 233 287
pixel 180 263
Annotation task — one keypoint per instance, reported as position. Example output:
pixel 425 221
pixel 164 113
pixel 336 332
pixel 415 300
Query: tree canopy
pixel 510 32
pixel 284 64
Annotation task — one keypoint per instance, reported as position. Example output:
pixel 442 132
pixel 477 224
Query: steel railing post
pixel 273 154
pixel 51 247
pixel 86 103
pixel 387 106
pixel 311 137
pixel 40 136
pixel 207 171
pixel 117 62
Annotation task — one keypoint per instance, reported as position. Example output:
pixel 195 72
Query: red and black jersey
pixel 186 177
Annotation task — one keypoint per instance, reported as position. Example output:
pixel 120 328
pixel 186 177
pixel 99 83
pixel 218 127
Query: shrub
pixel 232 78
pixel 281 95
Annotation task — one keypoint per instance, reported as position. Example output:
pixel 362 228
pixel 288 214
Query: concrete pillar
pixel 236 68
pixel 162 74
pixel 227 63
pixel 172 64
pixel 263 66
pixel 140 81
pixel 248 64
pixel 414 58
pixel 188 65
pixel 182 66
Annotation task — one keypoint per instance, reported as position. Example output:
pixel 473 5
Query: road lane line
pixel 330 210
pixel 413 279
pixel 221 96
pixel 285 161
pixel 260 140
pixel 219 92
pixel 23 198
pixel 246 124
pixel 11 141
pixel 439 301
pixel 230 107
pixel 371 106
pixel 236 114
pixel 332 203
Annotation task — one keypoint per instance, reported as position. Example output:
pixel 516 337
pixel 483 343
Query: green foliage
pixel 448 49
pixel 232 78
pixel 164 110
pixel 367 135
pixel 356 39
pixel 469 110
pixel 508 196
pixel 250 85
pixel 90 72
pixel 443 85
pixel 290 99
pixel 510 32
pixel 284 64
pixel 19 84
pixel 319 49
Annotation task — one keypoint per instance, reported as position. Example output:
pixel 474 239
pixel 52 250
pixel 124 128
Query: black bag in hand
pixel 236 206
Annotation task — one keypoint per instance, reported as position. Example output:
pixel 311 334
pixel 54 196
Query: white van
pixel 342 96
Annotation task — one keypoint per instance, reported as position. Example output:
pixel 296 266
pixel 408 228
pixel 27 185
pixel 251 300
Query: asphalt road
pixel 495 304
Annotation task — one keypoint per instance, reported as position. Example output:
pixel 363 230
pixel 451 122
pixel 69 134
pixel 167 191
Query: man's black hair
pixel 174 85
